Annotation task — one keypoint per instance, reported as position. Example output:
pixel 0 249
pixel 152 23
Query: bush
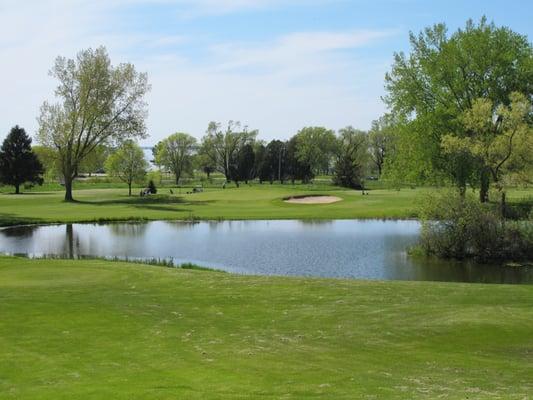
pixel 459 228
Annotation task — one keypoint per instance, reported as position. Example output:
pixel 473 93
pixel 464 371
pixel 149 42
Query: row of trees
pixel 235 152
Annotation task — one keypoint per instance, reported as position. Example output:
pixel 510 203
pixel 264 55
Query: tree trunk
pixel 17 188
pixel 68 189
pixel 484 187
pixel 129 189
pixel 503 205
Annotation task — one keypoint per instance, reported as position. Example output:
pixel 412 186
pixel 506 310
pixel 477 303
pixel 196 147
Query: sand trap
pixel 313 200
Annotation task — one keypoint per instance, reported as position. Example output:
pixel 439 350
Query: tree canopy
pixel 98 104
pixel 175 153
pixel 441 78
pixel 222 146
pixel 127 163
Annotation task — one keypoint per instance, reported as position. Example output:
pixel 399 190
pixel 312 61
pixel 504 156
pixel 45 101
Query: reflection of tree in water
pixel 128 229
pixel 315 222
pixel 71 246
pixel 19 231
pixel 434 269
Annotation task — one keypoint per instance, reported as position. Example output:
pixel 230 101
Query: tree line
pixel 236 153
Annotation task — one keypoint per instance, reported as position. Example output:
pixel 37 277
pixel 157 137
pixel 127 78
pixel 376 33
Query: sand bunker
pixel 313 200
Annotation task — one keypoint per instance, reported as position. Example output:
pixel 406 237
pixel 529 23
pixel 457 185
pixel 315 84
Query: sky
pixel 274 65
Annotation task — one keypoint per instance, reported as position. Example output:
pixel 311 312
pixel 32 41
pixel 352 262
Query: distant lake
pixel 362 249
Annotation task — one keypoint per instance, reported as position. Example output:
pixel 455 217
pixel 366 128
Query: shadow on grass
pixel 12 220
pixel 147 200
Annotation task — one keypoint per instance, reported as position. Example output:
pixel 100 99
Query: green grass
pixel 94 329
pixel 246 202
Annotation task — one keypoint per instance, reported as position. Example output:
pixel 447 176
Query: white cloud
pixel 277 85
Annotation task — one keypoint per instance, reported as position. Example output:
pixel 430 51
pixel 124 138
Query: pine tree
pixel 18 163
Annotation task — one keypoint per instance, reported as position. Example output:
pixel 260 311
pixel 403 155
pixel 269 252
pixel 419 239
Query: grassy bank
pixel 96 329
pixel 247 202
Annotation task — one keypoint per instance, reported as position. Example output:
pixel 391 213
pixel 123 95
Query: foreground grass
pixel 97 329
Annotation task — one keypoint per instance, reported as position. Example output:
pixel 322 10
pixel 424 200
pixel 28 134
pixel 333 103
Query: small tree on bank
pixel 18 163
pixel 127 163
pixel 98 104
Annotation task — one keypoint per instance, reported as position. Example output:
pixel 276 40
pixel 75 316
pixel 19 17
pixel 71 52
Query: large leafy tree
pixel 175 153
pixel 242 166
pixel 127 163
pixel 381 141
pixel 222 146
pixel 296 168
pixel 352 157
pixel 98 104
pixel 440 79
pixel 501 139
pixel 18 163
pixel 316 147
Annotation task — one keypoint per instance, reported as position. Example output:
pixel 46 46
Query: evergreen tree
pixel 18 163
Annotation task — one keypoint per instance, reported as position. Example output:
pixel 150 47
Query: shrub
pixel 455 227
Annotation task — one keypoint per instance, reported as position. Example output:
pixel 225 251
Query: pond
pixel 362 249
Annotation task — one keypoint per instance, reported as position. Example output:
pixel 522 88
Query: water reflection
pixel 355 249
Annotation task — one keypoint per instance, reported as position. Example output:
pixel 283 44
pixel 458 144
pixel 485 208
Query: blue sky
pixel 274 65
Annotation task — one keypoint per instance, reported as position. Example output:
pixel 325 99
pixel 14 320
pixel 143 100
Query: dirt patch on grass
pixel 312 199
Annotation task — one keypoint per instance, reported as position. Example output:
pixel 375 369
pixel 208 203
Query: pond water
pixel 363 249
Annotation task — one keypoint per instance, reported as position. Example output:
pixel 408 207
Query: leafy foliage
pixel 352 155
pixel 97 104
pixel 127 163
pixel 432 88
pixel 175 153
pixel 461 227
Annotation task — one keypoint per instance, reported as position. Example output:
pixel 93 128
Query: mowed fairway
pixel 255 202
pixel 247 202
pixel 106 330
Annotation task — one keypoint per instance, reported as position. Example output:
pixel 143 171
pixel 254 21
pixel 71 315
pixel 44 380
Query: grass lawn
pixel 247 202
pixel 106 330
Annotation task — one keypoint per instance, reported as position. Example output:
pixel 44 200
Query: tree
pixel 381 140
pixel 274 161
pixel 49 159
pixel 221 147
pixel 440 79
pixel 242 168
pixel 127 163
pixel 316 147
pixel 99 104
pixel 352 156
pixel 95 160
pixel 18 163
pixel 175 153
pixel 204 163
pixel 501 139
pixel 295 168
